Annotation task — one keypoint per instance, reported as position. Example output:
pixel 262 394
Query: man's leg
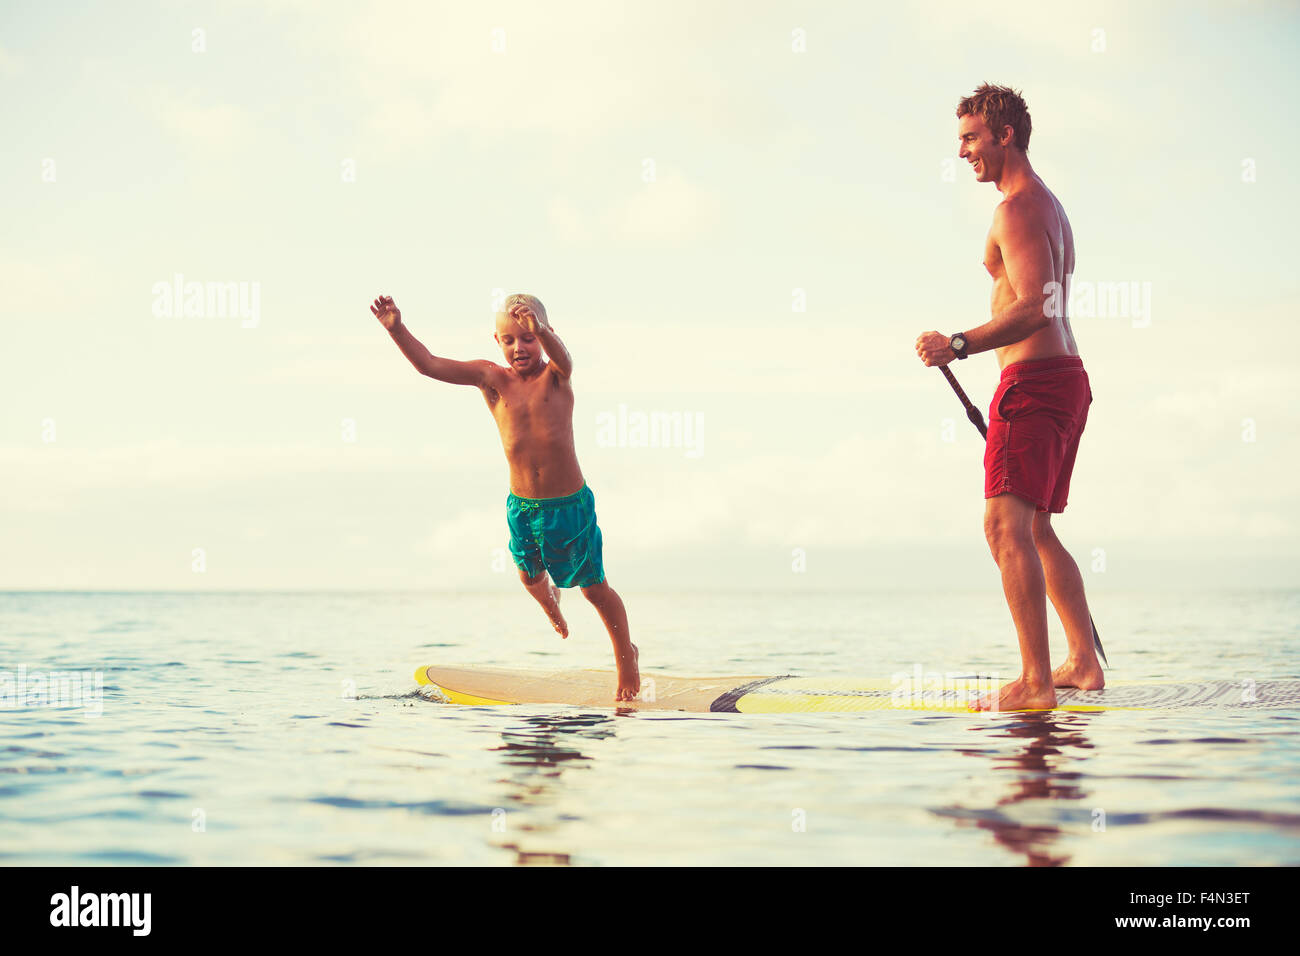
pixel 611 610
pixel 1009 528
pixel 548 596
pixel 1065 587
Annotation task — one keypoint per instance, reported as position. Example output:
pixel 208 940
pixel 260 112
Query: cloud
pixel 35 472
pixel 430 72
pixel 567 221
pixel 472 532
pixel 11 64
pixel 669 209
pixel 217 126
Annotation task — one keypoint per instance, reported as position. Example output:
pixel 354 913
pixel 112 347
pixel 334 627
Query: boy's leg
pixel 521 516
pixel 548 596
pixel 611 610
pixel 1065 587
pixel 1008 525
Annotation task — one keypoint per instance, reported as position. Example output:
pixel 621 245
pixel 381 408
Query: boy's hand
pixel 387 312
pixel 526 318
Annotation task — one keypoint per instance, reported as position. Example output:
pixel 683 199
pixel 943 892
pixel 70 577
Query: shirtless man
pixel 550 510
pixel 1041 403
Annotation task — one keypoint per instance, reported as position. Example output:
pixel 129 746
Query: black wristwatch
pixel 958 345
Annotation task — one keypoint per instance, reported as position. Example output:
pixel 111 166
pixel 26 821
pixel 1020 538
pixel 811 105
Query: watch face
pixel 958 342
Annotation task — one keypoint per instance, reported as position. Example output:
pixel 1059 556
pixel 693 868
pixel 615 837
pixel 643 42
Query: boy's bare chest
pixel 520 403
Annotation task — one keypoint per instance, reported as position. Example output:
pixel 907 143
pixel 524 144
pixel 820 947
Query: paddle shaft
pixel 973 413
pixel 977 419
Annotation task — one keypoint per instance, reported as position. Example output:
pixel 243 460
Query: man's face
pixel 522 351
pixel 980 148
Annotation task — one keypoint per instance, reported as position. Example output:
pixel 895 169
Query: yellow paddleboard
pixel 495 686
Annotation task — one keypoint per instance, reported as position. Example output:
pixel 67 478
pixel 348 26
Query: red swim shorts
pixel 1035 422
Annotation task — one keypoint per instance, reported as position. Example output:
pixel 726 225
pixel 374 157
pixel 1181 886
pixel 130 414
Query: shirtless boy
pixel 550 510
pixel 1041 403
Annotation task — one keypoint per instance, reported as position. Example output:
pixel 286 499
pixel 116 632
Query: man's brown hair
pixel 999 107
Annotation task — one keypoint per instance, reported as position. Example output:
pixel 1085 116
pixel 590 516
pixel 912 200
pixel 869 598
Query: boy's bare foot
pixel 1083 676
pixel 629 674
pixel 552 608
pixel 1017 695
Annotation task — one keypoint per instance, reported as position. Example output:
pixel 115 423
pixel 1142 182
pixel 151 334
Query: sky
pixel 741 214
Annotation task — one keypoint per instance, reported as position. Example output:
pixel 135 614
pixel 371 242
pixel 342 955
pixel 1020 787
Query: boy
pixel 550 510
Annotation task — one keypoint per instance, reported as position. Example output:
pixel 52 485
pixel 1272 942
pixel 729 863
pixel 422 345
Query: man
pixel 1041 404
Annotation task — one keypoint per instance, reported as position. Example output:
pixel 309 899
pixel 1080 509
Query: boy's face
pixel 520 347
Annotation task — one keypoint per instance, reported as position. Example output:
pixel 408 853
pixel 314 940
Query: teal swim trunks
pixel 559 535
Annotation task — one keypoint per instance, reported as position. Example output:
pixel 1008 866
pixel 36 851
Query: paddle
pixel 977 419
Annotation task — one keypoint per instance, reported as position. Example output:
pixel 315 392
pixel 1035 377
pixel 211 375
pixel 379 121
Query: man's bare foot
pixel 1083 676
pixel 552 608
pixel 629 675
pixel 1017 695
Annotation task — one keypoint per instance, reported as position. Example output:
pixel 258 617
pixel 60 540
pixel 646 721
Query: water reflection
pixel 1034 771
pixel 535 758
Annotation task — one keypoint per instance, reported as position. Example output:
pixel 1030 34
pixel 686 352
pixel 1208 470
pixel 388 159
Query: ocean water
pixel 284 728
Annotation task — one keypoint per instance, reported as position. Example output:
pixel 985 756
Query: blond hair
pixel 521 298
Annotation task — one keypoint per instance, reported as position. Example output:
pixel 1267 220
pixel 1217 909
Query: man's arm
pixel 561 360
pixel 425 362
pixel 1027 259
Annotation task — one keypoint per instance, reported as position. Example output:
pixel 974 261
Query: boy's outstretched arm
pixel 425 362
pixel 560 358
